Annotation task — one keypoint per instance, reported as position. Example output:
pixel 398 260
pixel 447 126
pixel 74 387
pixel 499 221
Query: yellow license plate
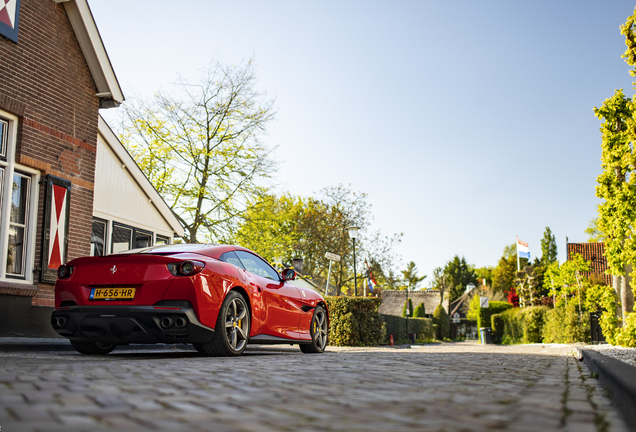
pixel 112 294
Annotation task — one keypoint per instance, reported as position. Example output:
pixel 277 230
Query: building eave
pixel 131 166
pixel 108 89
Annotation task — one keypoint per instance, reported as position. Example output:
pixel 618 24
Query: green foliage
pixel 548 247
pixel 594 235
pixel 564 325
pixel 626 335
pixel 494 307
pixel 286 227
pixel 410 277
pixel 200 148
pixel 408 303
pixel 497 326
pixel 354 321
pixel 396 326
pixel 505 272
pixel 442 320
pixel 458 274
pixel 603 298
pixel 519 325
pixel 419 311
pixel 616 184
pixel 473 308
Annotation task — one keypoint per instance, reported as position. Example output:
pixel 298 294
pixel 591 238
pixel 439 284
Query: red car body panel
pixel 278 308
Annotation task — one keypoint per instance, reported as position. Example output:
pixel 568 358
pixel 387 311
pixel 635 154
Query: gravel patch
pixel 628 355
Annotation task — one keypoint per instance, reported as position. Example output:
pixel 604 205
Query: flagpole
pixel 518 266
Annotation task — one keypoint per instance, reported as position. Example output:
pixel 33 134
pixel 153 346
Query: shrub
pixel 410 303
pixel 494 307
pixel 354 321
pixel 419 311
pixel 564 325
pixel 533 321
pixel 396 326
pixel 626 336
pixel 441 318
pixel 497 324
pixel 603 297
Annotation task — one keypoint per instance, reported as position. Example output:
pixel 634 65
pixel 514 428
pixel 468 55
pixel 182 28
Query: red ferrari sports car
pixel 217 297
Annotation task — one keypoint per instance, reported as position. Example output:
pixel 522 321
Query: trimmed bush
pixel 354 321
pixel 410 303
pixel 396 326
pixel 419 311
pixel 441 318
pixel 519 325
pixel 494 307
pixel 563 325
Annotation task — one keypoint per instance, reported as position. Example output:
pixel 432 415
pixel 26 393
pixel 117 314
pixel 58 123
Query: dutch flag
pixel 522 249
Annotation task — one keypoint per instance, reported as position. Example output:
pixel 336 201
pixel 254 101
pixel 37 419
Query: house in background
pixel 67 186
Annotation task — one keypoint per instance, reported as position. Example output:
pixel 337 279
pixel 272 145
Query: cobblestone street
pixel 443 387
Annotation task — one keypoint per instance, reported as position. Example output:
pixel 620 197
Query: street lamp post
pixel 353 233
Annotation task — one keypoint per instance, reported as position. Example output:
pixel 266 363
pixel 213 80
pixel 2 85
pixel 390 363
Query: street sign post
pixel 331 257
pixel 483 302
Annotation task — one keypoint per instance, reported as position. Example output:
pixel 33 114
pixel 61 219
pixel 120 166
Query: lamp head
pixel 353 232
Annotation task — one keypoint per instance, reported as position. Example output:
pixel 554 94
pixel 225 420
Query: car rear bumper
pixel 130 324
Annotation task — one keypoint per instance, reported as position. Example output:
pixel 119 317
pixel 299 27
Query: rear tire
pixel 232 330
pixel 93 347
pixel 319 331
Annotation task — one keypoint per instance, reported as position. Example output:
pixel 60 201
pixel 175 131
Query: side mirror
pixel 289 274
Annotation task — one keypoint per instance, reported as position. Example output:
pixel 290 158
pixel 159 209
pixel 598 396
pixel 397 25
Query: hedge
pixel 410 308
pixel 420 311
pixel 441 318
pixel 494 307
pixel 396 326
pixel 354 321
pixel 564 325
pixel 519 325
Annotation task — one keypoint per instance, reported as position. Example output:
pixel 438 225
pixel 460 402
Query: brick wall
pixel 45 81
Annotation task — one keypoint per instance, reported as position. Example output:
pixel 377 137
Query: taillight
pixel 186 268
pixel 64 271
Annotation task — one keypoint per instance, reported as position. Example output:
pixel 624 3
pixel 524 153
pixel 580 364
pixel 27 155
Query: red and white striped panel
pixel 57 226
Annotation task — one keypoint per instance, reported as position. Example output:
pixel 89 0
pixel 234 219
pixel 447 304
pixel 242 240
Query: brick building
pixel 595 254
pixel 55 75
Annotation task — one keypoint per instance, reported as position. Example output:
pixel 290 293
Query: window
pixel 257 266
pixel 230 257
pixel 122 238
pixel 162 240
pixel 18 225
pixel 4 138
pixel 143 239
pixel 98 237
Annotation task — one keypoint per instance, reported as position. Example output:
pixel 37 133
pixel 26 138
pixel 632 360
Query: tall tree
pixel 505 272
pixel 458 274
pixel 411 279
pixel 548 247
pixel 201 148
pixel 617 188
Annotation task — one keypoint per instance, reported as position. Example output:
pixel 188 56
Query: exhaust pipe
pixel 180 322
pixel 59 322
pixel 167 322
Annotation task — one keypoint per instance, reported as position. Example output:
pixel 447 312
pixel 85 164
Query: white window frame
pixel 10 167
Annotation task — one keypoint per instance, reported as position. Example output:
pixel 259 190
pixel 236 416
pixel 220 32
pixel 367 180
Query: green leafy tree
pixel 505 273
pixel 201 148
pixel 458 274
pixel 548 247
pixel 420 311
pixel 410 277
pixel 594 234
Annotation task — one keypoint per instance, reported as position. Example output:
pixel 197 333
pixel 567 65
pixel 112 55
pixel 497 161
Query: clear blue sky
pixel 466 123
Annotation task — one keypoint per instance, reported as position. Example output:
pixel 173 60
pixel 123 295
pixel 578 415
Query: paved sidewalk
pixel 444 387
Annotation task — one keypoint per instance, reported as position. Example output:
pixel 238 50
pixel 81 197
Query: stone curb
pixel 618 377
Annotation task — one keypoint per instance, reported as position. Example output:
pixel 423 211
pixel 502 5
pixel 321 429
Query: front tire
pixel 232 329
pixel 93 347
pixel 319 331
